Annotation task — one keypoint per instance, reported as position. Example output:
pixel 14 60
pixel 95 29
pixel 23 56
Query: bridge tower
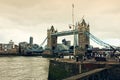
pixel 52 40
pixel 83 39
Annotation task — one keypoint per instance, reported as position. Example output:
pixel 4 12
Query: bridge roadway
pixel 64 33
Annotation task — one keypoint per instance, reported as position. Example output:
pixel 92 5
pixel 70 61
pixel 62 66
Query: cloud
pixel 27 18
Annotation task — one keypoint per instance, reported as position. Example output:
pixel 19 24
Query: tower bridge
pixel 83 40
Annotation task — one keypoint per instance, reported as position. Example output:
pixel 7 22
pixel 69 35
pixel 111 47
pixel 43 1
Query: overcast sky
pixel 20 19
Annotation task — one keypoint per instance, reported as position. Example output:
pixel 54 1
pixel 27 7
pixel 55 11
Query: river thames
pixel 24 68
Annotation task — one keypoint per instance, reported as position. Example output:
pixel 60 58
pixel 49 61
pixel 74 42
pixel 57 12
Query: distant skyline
pixel 20 19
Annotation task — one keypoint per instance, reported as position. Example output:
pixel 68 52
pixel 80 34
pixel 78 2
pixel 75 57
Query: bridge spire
pixel 83 22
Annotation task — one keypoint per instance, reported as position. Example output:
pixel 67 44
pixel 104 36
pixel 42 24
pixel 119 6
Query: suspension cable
pixel 43 41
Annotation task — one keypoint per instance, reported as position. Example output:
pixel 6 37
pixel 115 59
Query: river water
pixel 23 68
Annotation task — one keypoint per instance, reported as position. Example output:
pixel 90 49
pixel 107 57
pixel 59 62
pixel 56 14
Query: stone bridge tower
pixel 83 39
pixel 52 40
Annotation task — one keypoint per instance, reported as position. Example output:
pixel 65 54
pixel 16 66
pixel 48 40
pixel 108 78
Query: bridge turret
pixel 83 23
pixel 83 40
pixel 52 40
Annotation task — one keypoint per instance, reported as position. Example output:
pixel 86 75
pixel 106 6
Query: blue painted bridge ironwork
pixel 64 33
